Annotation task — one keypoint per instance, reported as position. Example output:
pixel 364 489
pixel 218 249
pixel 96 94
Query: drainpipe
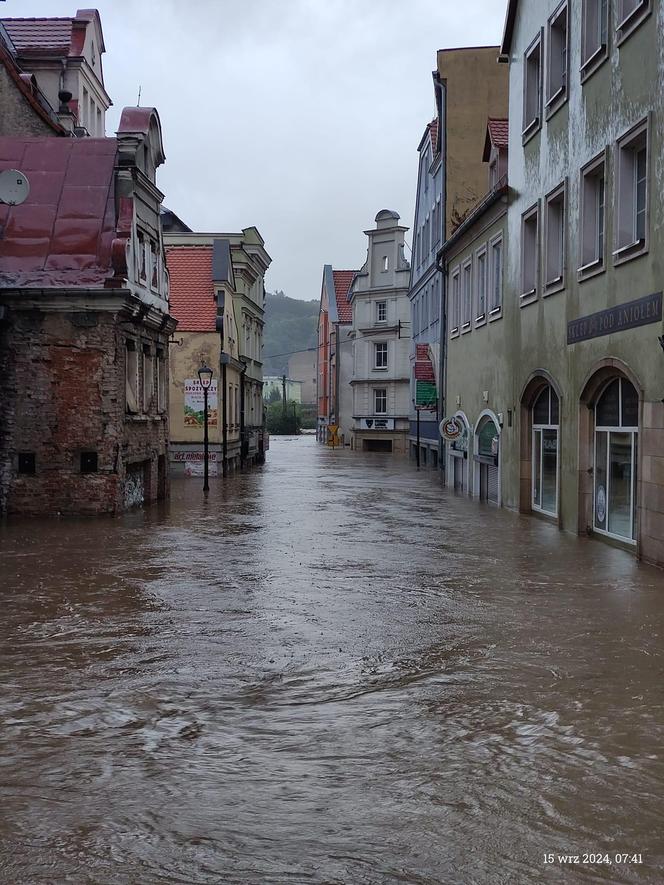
pixel 243 372
pixel 225 359
pixel 442 349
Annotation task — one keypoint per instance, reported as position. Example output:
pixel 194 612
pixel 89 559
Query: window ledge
pixel 495 313
pixel 454 333
pixel 592 269
pixel 632 250
pixel 465 328
pixel 557 100
pixel 480 321
pixel 527 297
pixel 632 21
pixel 553 286
pixel 593 62
pixel 531 129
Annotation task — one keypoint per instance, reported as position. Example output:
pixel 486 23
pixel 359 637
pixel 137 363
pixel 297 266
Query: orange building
pixel 335 367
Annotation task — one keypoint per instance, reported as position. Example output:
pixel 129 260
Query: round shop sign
pixel 450 429
pixel 600 504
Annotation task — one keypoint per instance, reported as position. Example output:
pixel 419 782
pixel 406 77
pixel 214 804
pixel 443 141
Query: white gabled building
pixel 381 341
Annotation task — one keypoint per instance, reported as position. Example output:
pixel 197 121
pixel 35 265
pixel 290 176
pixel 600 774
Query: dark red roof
pixel 63 234
pixel 498 132
pixel 192 300
pixel 342 283
pixel 26 84
pixel 42 35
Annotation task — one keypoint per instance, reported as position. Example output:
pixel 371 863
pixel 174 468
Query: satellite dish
pixel 14 187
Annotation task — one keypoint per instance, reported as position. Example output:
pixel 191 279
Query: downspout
pixel 442 358
pixel 243 443
pixel 224 419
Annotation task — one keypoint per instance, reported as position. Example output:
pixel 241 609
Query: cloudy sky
pixel 299 116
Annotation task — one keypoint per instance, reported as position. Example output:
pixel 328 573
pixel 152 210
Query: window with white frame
pixel 630 14
pixel 593 199
pixel 380 355
pixel 529 251
pixel 496 271
pixel 557 66
pixel 481 277
pixel 594 36
pixel 381 311
pixel 631 204
pixel 380 401
pixel 554 249
pixel 532 86
pixel 455 301
pixel 467 294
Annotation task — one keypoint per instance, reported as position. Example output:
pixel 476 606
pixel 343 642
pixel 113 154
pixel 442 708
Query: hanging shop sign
pixel 425 395
pixel 640 312
pixel 193 403
pixel 450 429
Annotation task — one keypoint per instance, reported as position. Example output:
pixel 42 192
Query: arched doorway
pixel 544 452
pixel 616 415
pixel 459 463
pixel 487 459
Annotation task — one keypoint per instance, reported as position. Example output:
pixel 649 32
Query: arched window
pixel 487 457
pixel 545 452
pixel 616 433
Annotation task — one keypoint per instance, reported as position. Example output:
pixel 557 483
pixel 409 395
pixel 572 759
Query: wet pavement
pixel 332 671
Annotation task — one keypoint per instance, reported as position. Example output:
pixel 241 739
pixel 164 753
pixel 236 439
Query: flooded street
pixel 331 671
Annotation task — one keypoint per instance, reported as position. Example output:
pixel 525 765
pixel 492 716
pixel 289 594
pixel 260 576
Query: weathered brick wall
pixel 17 117
pixel 62 390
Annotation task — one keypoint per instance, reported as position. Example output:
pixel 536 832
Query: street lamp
pixel 205 377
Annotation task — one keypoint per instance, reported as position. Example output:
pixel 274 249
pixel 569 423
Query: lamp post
pixel 205 377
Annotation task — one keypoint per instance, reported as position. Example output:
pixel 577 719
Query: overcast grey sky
pixel 299 116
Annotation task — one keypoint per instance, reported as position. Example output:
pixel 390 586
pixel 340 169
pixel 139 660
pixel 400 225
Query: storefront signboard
pixel 193 403
pixel 616 319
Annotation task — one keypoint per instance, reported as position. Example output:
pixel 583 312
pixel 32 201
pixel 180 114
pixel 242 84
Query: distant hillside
pixel 290 325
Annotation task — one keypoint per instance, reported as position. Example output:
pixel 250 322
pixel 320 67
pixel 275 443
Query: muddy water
pixel 332 671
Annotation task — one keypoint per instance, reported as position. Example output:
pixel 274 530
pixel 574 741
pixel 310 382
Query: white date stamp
pixel 590 858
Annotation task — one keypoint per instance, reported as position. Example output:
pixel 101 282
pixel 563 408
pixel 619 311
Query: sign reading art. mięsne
pixel 616 319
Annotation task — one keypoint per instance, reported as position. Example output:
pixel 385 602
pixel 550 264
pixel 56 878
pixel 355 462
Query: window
pixel 455 304
pixel 161 382
pixel 593 198
pixel 380 401
pixel 594 35
pixel 386 263
pixel 381 311
pixel 557 68
pixel 554 258
pixel 236 404
pixel 529 252
pixel 148 378
pixel 27 463
pixel 131 377
pixel 481 283
pixel 89 462
pixel 532 87
pixel 380 355
pixel 142 273
pixel 630 14
pixel 467 294
pixel 545 416
pixel 632 193
pixel 614 474
pixel 496 294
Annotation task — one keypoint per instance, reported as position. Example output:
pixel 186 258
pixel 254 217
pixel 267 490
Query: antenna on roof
pixel 14 187
pixel 138 103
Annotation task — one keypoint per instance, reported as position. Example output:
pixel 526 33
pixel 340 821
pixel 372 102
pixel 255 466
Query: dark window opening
pixel 88 462
pixel 27 463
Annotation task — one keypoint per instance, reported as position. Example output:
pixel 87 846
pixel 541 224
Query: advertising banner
pixel 193 403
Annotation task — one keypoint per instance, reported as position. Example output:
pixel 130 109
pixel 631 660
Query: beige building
pixel 302 367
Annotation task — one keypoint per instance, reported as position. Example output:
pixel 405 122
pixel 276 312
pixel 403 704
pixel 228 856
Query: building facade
pixel 381 341
pixel 232 271
pixel 478 361
pixel 426 298
pixel 335 357
pixel 84 324
pixel 302 367
pixel 578 383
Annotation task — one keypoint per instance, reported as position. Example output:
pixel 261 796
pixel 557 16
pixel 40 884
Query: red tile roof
pixel 40 35
pixel 64 233
pixel 192 301
pixel 342 283
pixel 498 132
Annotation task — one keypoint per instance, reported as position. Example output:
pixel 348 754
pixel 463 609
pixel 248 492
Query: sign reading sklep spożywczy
pixel 194 403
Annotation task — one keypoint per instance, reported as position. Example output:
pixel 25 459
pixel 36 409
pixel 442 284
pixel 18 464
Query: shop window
pixel 545 420
pixel 557 66
pixel 593 200
pixel 632 193
pixel 27 463
pixel 616 438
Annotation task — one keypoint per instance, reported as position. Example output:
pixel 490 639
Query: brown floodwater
pixel 331 671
